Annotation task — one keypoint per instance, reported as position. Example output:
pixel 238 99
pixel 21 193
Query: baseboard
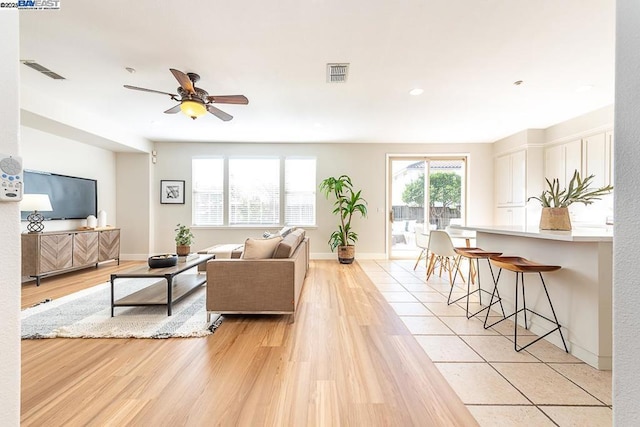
pixel 134 257
pixel 333 255
pixel 313 255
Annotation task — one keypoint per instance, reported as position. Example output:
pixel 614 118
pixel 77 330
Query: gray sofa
pixel 267 286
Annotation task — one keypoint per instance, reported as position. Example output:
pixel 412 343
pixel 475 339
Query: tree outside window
pixel 445 190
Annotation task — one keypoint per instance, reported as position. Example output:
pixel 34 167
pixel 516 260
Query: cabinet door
pixel 503 180
pixel 85 248
pixel 595 159
pixel 518 216
pixel 561 161
pixel 572 160
pixel 109 245
pixel 554 163
pixel 511 216
pixel 56 252
pixel 518 177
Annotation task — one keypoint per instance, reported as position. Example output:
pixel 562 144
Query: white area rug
pixel 87 314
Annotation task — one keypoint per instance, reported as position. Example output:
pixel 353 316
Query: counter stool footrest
pixel 478 256
pixel 524 310
pixel 469 316
pixel 515 342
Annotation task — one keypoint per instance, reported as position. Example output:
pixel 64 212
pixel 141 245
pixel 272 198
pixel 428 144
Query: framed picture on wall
pixel 171 192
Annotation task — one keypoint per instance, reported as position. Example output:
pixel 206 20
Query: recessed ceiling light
pixel 518 82
pixel 417 91
pixel 584 88
pixel 130 70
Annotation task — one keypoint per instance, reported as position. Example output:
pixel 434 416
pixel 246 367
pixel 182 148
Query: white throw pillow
pixel 260 248
pixel 286 230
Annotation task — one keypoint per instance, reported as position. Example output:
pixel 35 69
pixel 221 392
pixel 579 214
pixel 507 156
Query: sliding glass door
pixel 429 191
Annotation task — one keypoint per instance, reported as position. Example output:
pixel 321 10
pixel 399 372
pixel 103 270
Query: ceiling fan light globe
pixel 193 109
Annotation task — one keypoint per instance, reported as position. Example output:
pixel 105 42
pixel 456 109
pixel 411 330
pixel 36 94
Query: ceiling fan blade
pixel 173 110
pixel 184 80
pixel 151 90
pixel 228 99
pixel 172 95
pixel 219 113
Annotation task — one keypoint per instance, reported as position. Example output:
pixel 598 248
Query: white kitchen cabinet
pixel 596 159
pixel 554 162
pixel 572 160
pixel 591 155
pixel 511 179
pixel 518 178
pixel 562 160
pixel 510 216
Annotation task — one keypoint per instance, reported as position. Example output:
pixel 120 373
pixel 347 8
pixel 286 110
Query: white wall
pixel 51 153
pixel 519 140
pixel 10 229
pixel 365 163
pixel 626 286
pixel 135 214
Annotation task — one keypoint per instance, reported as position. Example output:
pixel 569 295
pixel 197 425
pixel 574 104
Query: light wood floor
pixel 347 360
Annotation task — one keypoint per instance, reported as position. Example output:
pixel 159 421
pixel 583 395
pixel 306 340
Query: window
pixel 254 191
pixel 208 194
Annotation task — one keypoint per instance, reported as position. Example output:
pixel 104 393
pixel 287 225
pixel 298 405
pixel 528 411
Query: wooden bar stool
pixel 520 266
pixel 476 254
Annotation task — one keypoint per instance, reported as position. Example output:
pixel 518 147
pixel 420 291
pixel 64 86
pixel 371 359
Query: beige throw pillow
pixel 260 248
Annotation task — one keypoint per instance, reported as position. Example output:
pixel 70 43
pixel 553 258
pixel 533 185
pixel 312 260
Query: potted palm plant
pixel 555 202
pixel 347 202
pixel 184 238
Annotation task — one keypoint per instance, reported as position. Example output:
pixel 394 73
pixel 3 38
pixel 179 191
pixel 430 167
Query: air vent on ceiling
pixel 44 70
pixel 337 73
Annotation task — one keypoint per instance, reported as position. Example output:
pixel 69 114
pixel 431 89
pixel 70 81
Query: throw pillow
pixel 260 248
pixel 286 230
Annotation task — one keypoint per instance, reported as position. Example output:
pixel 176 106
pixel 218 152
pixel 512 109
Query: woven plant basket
pixel 555 219
pixel 346 254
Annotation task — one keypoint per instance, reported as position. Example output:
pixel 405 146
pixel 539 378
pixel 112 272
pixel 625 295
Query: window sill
pixel 273 227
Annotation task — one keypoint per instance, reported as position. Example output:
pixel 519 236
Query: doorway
pixel 423 190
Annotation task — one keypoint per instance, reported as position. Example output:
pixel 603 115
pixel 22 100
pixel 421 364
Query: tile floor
pixel 539 386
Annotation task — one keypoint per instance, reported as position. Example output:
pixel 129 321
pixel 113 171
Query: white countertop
pixel 578 234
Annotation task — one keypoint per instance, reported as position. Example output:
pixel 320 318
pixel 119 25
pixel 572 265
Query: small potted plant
pixel 555 202
pixel 347 202
pixel 184 238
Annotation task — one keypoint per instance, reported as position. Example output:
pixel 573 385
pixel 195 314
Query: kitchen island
pixel 581 291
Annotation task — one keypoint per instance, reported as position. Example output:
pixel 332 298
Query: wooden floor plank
pixel 346 360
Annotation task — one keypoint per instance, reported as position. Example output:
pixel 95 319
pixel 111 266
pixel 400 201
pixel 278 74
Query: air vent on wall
pixel 337 73
pixel 44 70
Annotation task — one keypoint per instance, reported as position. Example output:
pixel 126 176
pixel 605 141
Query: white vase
pixel 102 219
pixel 92 221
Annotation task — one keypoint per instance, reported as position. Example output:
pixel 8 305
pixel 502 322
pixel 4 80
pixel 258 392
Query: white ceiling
pixel 465 54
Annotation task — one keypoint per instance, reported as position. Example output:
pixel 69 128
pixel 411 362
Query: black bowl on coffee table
pixel 162 261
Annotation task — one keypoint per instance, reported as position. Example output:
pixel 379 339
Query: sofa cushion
pixel 260 248
pixel 288 245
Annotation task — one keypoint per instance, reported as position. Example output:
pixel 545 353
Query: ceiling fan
pixel 195 102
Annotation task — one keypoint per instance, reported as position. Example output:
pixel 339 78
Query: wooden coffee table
pixel 171 288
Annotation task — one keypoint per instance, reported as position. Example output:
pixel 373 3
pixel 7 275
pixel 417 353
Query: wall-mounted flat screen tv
pixel 71 197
